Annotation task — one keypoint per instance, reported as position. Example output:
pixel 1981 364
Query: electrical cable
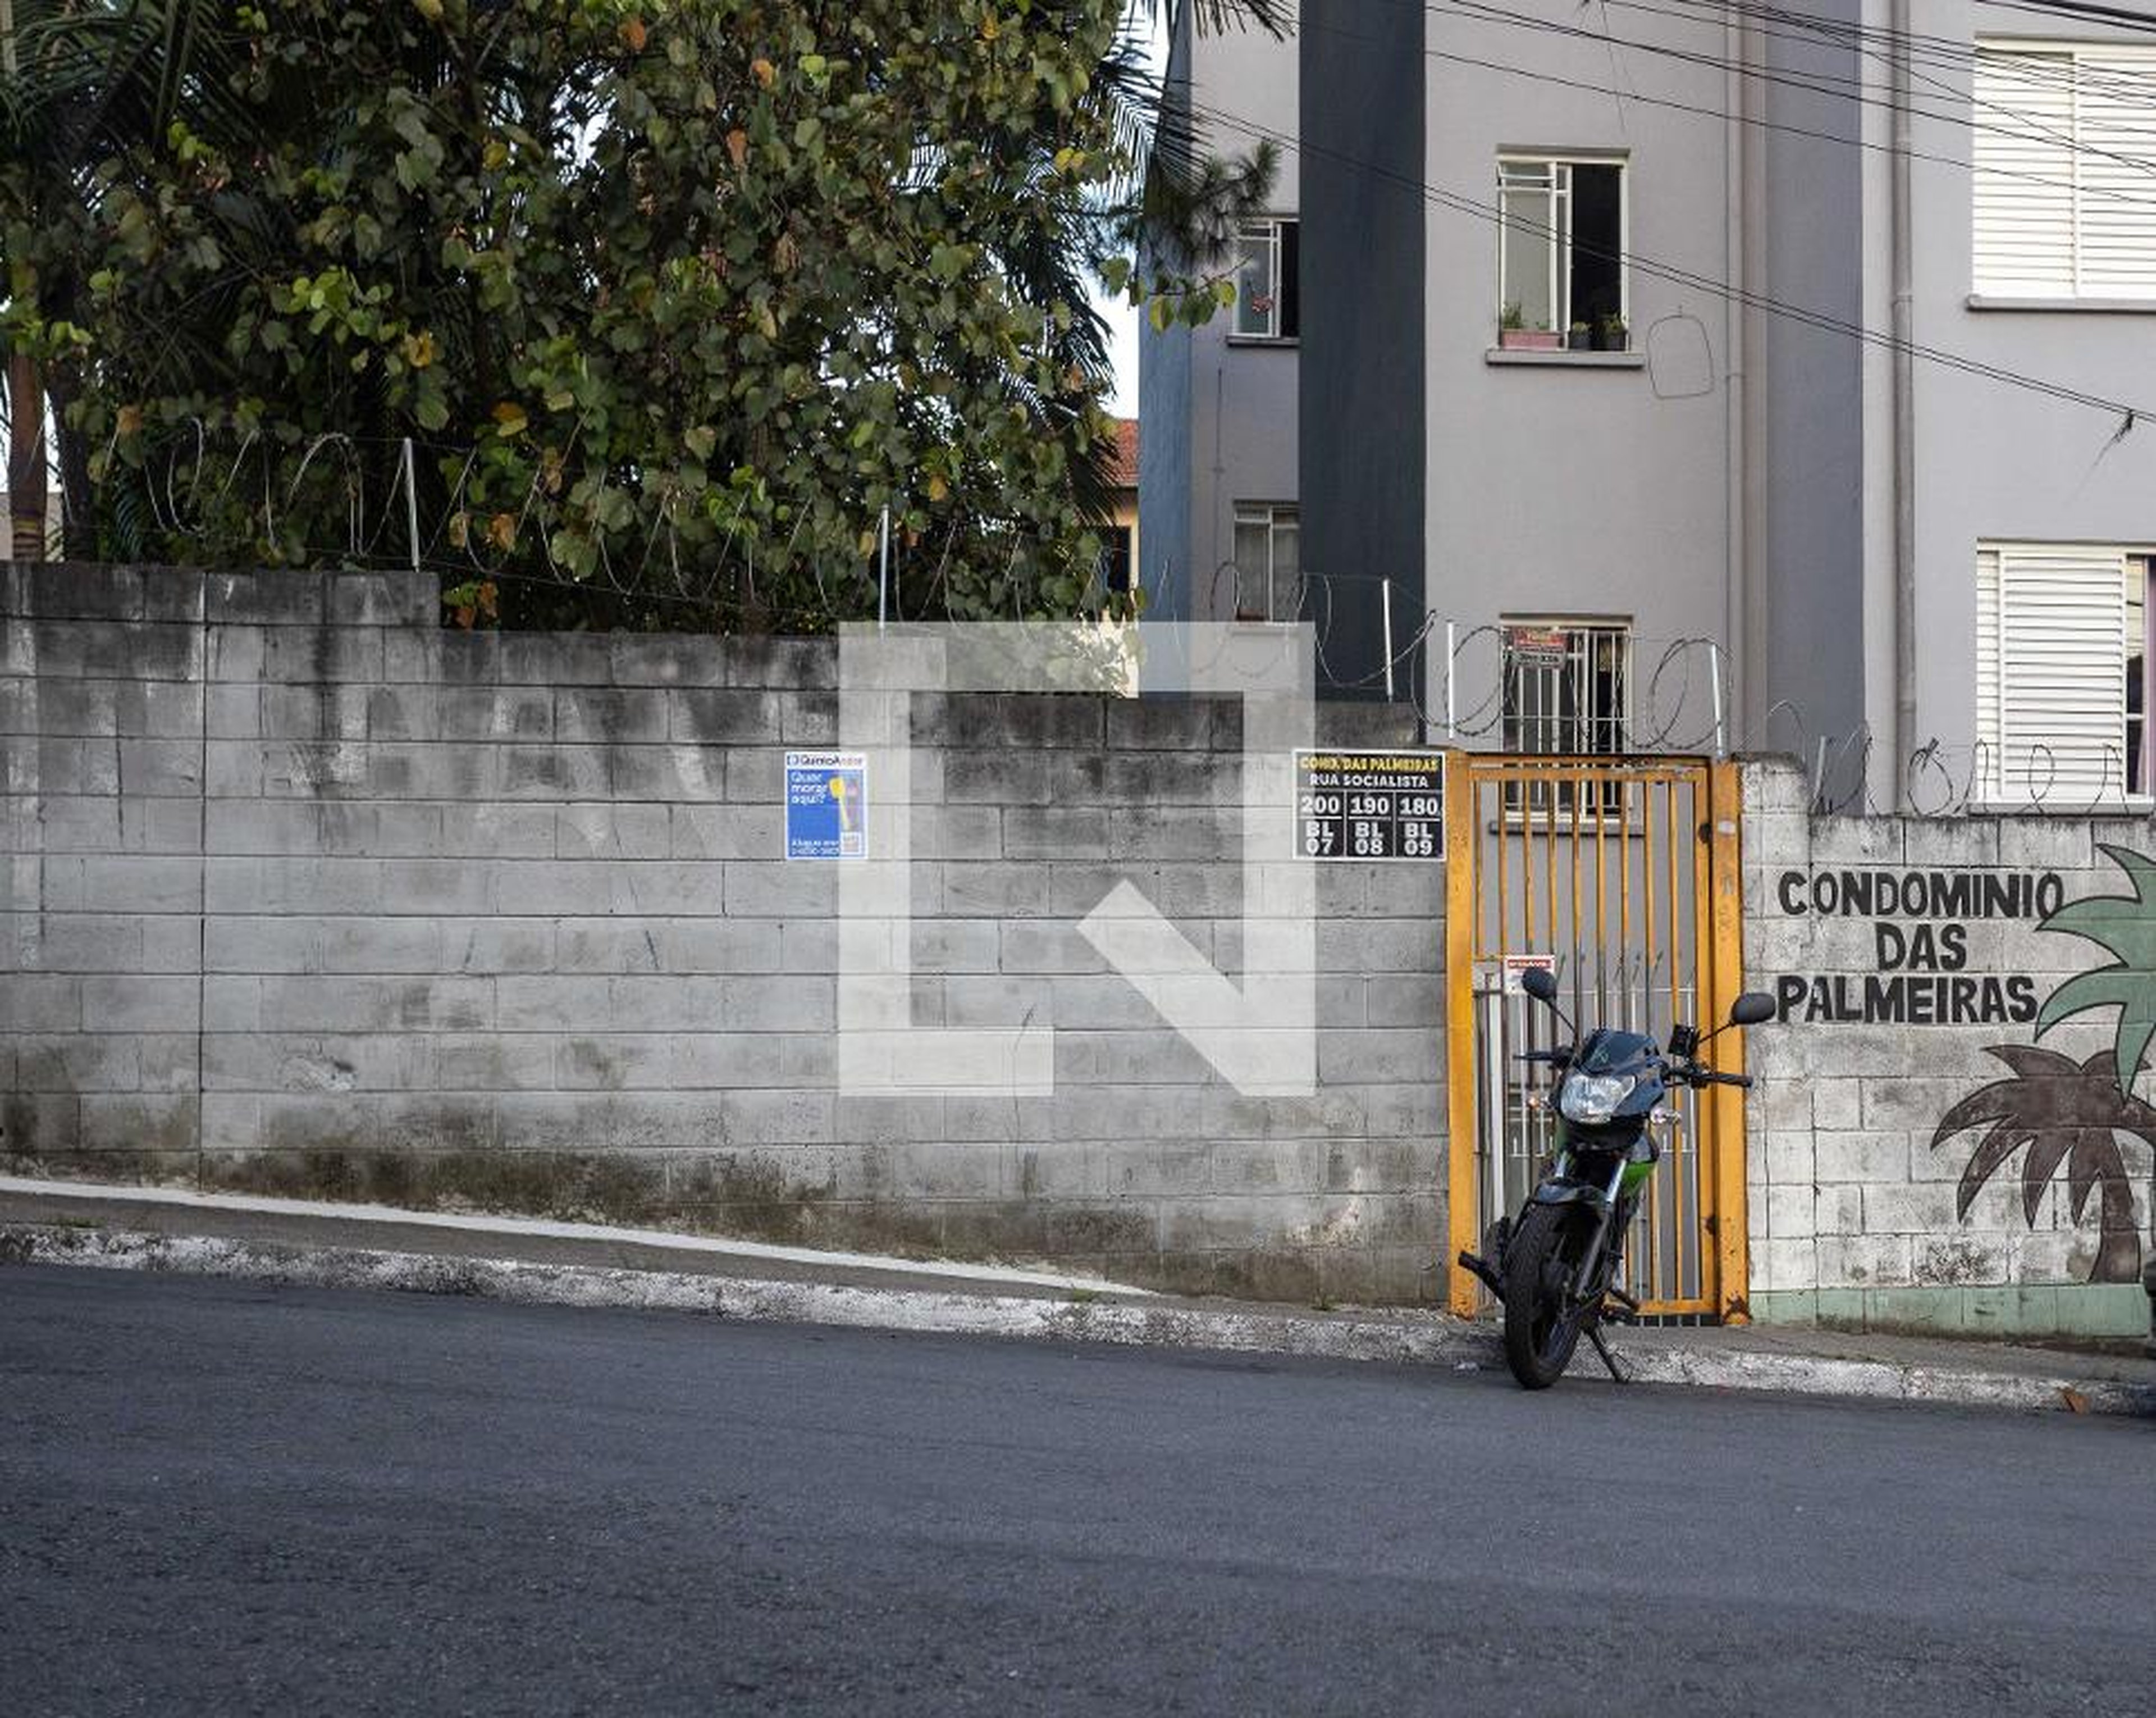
pixel 1692 279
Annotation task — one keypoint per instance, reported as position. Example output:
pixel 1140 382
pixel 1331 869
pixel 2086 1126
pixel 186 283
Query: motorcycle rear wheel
pixel 1539 1267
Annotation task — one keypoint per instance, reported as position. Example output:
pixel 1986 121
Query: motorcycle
pixel 1556 1269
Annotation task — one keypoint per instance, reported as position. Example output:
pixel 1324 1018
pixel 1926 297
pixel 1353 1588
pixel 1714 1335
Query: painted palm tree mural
pixel 2069 1113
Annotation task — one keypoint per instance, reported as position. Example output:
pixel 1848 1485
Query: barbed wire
pixel 1468 684
pixel 388 517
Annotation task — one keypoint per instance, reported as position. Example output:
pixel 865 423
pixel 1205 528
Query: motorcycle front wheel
pixel 1540 1264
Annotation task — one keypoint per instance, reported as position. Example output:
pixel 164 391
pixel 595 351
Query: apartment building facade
pixel 1666 377
pixel 1222 472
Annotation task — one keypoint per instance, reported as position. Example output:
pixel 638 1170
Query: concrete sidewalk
pixel 537 1262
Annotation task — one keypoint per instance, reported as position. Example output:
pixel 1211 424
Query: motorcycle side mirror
pixel 1540 983
pixel 1751 1009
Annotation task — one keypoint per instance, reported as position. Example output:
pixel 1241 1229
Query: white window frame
pixel 2022 172
pixel 1265 231
pixel 1603 731
pixel 1268 516
pixel 1592 733
pixel 1560 164
pixel 2007 768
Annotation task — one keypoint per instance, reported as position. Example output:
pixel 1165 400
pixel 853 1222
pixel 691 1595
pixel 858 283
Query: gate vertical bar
pixel 1649 1254
pixel 1732 1258
pixel 1549 863
pixel 1674 1227
pixel 1624 899
pixel 1461 904
pixel 1576 964
pixel 1711 1016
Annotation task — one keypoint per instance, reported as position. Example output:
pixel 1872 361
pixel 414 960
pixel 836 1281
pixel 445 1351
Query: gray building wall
pixel 1995 462
pixel 1863 1210
pixel 1164 475
pixel 1221 411
pixel 1802 647
pixel 1165 422
pixel 1734 480
pixel 1562 484
pixel 1361 473
pixel 307 895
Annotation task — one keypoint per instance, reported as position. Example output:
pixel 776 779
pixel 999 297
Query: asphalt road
pixel 222 1498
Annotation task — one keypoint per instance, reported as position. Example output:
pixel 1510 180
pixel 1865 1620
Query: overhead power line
pixel 1820 83
pixel 1812 81
pixel 1462 203
pixel 1758 122
pixel 1878 44
pixel 2083 12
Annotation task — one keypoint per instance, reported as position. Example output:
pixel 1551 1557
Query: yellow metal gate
pixel 1621 876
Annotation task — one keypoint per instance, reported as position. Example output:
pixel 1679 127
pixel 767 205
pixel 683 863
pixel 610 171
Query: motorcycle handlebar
pixel 1692 1071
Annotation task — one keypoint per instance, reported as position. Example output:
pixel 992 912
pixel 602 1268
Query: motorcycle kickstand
pixel 1602 1347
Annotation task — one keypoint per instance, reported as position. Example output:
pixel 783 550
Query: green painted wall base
pixel 2070 1309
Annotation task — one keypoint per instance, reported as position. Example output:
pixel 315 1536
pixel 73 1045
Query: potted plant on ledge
pixel 1576 338
pixel 1513 332
pixel 1611 335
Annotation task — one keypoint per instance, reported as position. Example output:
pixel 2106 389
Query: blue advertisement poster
pixel 827 805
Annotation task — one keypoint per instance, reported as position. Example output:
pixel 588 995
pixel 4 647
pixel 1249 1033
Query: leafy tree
pixel 676 297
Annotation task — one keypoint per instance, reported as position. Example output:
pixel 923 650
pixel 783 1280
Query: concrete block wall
pixel 307 894
pixel 1855 1195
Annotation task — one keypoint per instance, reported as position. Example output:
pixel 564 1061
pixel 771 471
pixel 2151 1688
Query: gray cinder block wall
pixel 306 894
pixel 1915 1145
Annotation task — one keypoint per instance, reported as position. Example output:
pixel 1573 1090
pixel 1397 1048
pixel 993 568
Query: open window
pixel 1268 298
pixel 1567 686
pixel 1116 559
pixel 1561 254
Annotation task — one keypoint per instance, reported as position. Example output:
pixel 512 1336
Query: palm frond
pixel 2124 926
pixel 1991 1153
pixel 2062 1113
pixel 2095 1159
pixel 1275 17
pixel 2032 1062
pixel 2047 1150
pixel 2131 990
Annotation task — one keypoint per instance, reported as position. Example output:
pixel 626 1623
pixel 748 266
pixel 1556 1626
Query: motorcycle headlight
pixel 1591 1099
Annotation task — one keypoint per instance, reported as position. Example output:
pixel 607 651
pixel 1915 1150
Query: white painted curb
pixel 1890 1380
pixel 488 1223
pixel 915 1309
pixel 1434 1341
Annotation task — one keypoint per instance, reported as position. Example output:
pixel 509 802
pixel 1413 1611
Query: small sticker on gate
pixel 1518 966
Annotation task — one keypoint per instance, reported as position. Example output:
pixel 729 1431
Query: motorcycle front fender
pixel 1565 1193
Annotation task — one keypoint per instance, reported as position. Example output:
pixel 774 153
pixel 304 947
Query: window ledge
pixel 2009 805
pixel 2102 306
pixel 1289 340
pixel 1529 355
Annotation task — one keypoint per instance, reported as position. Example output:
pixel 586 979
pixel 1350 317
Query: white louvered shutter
pixel 2115 124
pixel 1991 778
pixel 2022 180
pixel 2062 671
